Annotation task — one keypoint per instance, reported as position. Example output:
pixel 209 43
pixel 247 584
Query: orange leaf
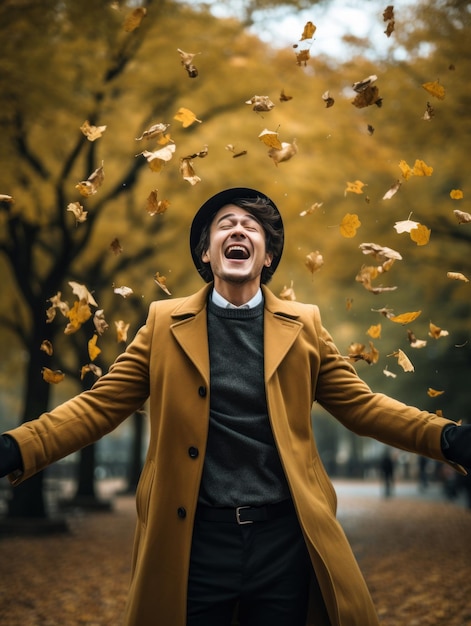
pixel 52 376
pixel 349 225
pixel 456 194
pixel 356 187
pixel 186 117
pixel 421 235
pixel 405 318
pixel 435 89
pixel 93 349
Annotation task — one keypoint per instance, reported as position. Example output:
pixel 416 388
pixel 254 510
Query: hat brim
pixel 209 209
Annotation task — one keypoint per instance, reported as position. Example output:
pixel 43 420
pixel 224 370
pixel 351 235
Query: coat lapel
pixel 281 329
pixel 190 329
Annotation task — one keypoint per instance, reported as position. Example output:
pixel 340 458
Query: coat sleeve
pixel 90 415
pixel 350 400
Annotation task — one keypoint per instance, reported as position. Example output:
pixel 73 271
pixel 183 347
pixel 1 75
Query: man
pixel 235 510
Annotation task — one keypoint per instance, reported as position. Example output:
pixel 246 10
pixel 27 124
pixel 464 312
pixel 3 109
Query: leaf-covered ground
pixel 415 555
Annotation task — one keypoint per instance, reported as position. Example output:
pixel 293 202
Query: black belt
pixel 244 514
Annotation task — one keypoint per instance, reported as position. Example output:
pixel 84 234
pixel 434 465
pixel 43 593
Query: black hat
pixel 209 209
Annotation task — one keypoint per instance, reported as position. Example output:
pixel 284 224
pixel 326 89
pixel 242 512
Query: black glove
pixel 10 456
pixel 456 444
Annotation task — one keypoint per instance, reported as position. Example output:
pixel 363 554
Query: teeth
pixel 236 251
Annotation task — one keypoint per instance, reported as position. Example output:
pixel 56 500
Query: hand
pixel 10 456
pixel 456 444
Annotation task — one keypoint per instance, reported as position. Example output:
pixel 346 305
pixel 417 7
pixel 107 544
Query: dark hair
pixel 269 218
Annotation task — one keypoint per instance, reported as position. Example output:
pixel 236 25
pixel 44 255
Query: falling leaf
pixel 387 372
pixel 367 93
pixel 121 331
pixel 260 103
pixel 329 101
pixel 429 112
pixel 392 190
pixel 46 346
pixel 435 89
pixel 133 20
pixel 381 253
pixel 284 97
pixel 52 376
pixel 187 62
pixel 236 153
pixel 162 154
pixel 355 187
pixel 405 226
pixel 99 321
pixel 463 218
pixel 374 331
pixel 433 393
pixel 287 152
pixel 403 360
pixel 368 273
pixel 123 291
pixel 357 352
pixel 90 186
pixel 385 312
pixel 349 225
pixel 78 315
pixel 314 261
pixel 116 247
pixel 186 117
pixel 92 133
pixel 156 130
pixel 188 173
pixel 389 28
pixel 155 206
pixel 349 304
pixel 388 13
pixel 370 129
pixel 270 139
pixel 162 283
pixel 77 209
pixel 302 49
pixel 82 293
pixel 457 276
pixel 421 169
pixel 420 234
pixel 93 349
pixel 6 198
pixel 456 194
pixel 287 293
pixel 94 369
pixel 311 209
pixel 414 342
pixel 56 303
pixel 436 332
pixel 405 318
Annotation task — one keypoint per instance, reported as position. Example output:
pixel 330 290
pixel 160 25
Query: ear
pixel 205 257
pixel 268 259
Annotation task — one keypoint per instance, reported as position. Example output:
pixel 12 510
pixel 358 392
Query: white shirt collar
pixel 222 302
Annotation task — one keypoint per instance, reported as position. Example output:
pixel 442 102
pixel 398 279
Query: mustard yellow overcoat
pixel 168 363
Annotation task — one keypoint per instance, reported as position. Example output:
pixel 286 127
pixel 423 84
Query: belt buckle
pixel 237 514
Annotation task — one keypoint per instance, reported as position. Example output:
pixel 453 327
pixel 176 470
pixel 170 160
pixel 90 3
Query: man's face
pixel 237 248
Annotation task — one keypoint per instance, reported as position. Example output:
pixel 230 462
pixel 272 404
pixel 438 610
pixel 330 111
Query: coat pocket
pixel 143 491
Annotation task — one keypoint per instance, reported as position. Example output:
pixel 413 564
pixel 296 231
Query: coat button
pixel 193 452
pixel 181 512
pixel 202 391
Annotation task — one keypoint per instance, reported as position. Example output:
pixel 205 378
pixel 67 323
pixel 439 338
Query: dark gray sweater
pixel 242 465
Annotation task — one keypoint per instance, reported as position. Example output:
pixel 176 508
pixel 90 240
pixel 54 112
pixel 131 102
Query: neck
pixel 236 294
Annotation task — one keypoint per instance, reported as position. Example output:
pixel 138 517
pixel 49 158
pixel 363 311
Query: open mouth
pixel 237 252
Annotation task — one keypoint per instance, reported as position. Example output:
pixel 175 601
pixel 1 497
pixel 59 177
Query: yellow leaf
pixel 436 332
pixel 121 331
pixel 77 315
pixel 90 186
pixel 433 393
pixel 186 117
pixel 92 132
pixel 421 235
pixel 421 169
pixel 356 187
pixel 93 349
pixel 403 360
pixel 374 331
pixel 270 139
pixel 349 225
pixel 162 283
pixel 155 206
pixel 405 318
pixel 456 194
pixel 457 276
pixel 435 89
pixel 405 169
pixel 52 376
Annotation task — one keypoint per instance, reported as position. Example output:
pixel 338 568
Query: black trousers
pixel 260 572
